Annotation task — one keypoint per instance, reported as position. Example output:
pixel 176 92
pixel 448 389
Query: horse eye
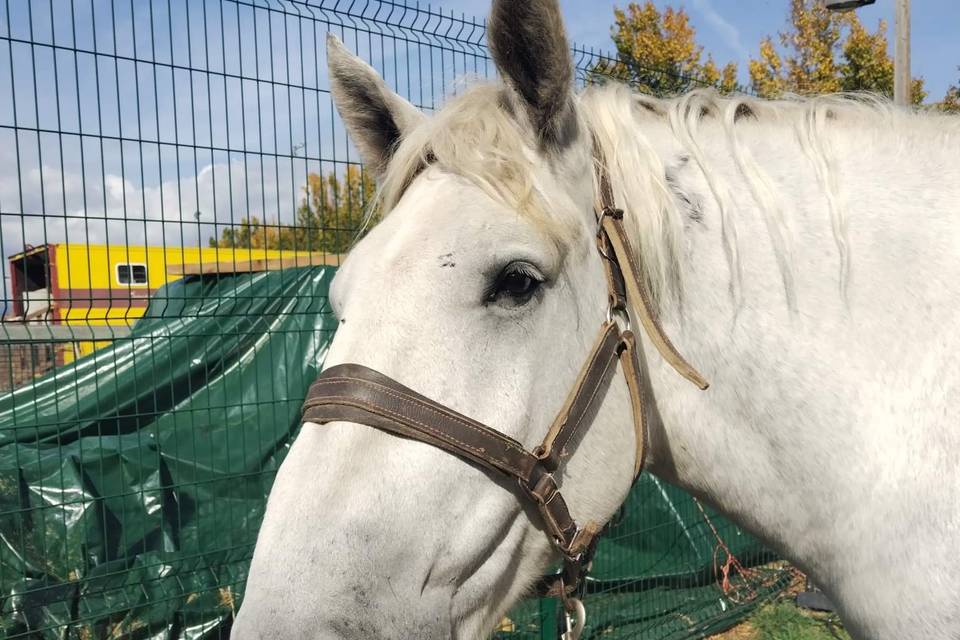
pixel 515 284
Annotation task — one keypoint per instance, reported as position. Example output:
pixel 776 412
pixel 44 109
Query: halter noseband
pixel 358 394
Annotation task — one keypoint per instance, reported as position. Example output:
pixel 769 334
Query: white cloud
pixel 93 207
pixel 221 192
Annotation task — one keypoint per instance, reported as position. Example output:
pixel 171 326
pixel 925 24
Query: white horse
pixel 805 257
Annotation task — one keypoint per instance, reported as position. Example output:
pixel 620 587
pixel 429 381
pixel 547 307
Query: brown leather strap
pixel 571 580
pixel 606 207
pixel 359 394
pixel 620 259
pixel 641 302
pixel 594 375
pixel 631 373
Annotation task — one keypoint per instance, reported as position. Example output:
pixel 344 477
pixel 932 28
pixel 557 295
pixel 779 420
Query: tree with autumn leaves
pixel 826 52
pixel 820 52
pixel 951 102
pixel 659 54
pixel 330 216
pixel 333 211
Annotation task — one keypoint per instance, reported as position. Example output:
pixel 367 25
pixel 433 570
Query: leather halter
pixel 358 394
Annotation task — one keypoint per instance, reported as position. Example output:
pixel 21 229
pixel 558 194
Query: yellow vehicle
pixel 100 290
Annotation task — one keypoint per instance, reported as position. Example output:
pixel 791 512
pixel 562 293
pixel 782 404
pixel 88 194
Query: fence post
pixel 549 619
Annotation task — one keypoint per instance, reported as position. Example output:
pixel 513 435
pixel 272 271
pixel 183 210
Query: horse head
pixel 481 289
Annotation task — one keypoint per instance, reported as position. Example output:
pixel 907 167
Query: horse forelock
pixel 475 136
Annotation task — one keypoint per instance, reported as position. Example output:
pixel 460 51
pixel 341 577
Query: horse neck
pixel 826 401
pixel 747 445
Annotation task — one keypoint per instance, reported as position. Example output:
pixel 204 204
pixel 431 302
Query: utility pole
pixel 902 80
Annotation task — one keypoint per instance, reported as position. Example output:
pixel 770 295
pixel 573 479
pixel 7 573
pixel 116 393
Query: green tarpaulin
pixel 133 481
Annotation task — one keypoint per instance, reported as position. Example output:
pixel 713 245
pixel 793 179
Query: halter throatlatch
pixel 355 393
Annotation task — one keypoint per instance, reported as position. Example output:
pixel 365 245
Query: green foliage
pixel 825 52
pixel 951 101
pixel 333 211
pixel 866 64
pixel 820 52
pixel 809 65
pixel 659 53
pixel 329 218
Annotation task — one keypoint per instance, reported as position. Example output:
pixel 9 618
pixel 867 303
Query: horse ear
pixel 529 47
pixel 376 117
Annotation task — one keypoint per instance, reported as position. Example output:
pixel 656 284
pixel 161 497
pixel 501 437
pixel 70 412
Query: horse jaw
pixel 370 535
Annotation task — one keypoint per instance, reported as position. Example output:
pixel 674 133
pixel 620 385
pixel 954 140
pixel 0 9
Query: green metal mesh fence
pixel 175 192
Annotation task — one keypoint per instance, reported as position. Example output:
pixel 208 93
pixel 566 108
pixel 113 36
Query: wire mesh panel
pixel 176 191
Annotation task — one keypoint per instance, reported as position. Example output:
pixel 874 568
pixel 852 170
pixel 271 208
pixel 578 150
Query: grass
pixel 783 620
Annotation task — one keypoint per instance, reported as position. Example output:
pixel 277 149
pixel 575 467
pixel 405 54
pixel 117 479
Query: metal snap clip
pixel 575 616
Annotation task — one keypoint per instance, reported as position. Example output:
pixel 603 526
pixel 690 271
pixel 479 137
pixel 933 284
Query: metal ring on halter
pixel 621 315
pixel 616 214
pixel 601 249
pixel 574 606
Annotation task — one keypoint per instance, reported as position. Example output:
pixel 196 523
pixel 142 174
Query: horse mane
pixel 477 137
pixel 806 119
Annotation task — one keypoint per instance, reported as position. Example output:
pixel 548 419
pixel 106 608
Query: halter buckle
pixel 613 212
pixel 607 212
